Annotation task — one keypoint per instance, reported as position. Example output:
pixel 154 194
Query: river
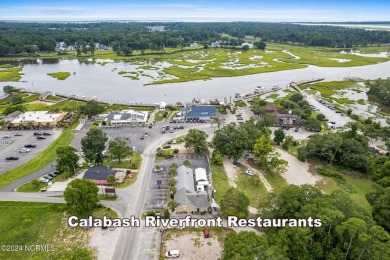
pixel 104 82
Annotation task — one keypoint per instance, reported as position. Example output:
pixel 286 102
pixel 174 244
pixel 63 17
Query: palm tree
pixel 173 166
pixel 187 163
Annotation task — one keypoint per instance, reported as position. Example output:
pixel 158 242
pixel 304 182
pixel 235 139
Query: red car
pixel 41 137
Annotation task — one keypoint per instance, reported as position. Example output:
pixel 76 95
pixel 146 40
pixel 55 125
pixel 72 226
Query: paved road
pixel 79 134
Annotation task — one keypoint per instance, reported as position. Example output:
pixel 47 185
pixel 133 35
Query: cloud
pixel 50 9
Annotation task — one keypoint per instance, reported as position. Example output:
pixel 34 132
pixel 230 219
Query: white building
pixel 201 179
pixel 36 117
pixel 127 117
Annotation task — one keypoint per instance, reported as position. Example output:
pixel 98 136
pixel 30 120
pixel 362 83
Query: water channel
pixel 104 82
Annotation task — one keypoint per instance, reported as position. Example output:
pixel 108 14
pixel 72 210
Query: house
pixel 194 44
pixel 126 117
pixel 249 37
pixel 99 174
pixel 206 112
pixel 188 199
pixel 39 117
pixel 60 46
pixel 215 44
pixel 250 45
pixel 282 117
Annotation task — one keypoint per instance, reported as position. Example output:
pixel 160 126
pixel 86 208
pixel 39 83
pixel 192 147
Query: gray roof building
pixel 188 199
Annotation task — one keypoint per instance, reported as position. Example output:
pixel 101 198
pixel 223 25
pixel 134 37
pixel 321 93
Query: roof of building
pixel 12 116
pixel 128 116
pixel 271 109
pixel 196 199
pixel 99 173
pixel 200 174
pixel 38 116
pixel 185 179
pixel 202 111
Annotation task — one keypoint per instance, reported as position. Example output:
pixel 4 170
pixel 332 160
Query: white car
pixel 24 150
pixel 80 164
pixel 172 254
pixel 44 180
pixel 249 172
pixel 6 136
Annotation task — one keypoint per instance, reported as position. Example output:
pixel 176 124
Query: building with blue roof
pixel 201 113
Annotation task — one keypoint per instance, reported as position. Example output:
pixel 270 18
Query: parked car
pixel 235 163
pixel 146 134
pixel 47 176
pixel 134 149
pixel 46 133
pixel 174 141
pixel 169 142
pixel 249 172
pixel 30 145
pixel 172 254
pixel 24 150
pixel 166 146
pixel 37 133
pixel 171 131
pixel 18 134
pixel 150 125
pixel 11 158
pixel 142 137
pixel 6 136
pixel 181 127
pixel 80 164
pixel 41 137
pixel 52 175
pixel 44 180
pixel 176 150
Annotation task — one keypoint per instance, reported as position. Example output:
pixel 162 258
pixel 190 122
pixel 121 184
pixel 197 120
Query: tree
pixel 196 139
pixel 234 203
pixel 312 124
pixel 321 117
pixel 245 47
pixel 66 159
pixel 16 99
pixel 92 108
pixel 379 200
pixel 172 205
pixel 93 144
pixel 120 148
pixel 350 230
pixel 187 163
pixel 217 158
pixel 111 179
pixel 173 166
pixel 268 157
pixel 9 89
pixel 279 136
pixel 261 45
pixel 81 196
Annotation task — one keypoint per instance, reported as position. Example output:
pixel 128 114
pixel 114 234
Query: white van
pixel 172 254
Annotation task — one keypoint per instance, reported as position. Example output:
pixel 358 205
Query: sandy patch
pixel 297 172
pixel 231 172
pixel 195 246
pixel 341 60
pixel 47 103
pixel 104 242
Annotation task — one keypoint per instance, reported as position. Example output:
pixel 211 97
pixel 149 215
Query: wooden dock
pixel 295 84
pixel 249 96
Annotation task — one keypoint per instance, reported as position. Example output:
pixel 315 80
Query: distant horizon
pixel 302 11
pixel 179 21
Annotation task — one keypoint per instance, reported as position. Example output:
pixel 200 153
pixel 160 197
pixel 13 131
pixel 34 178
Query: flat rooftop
pixel 38 116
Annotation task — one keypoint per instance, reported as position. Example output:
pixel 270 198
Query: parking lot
pixel 134 133
pixel 158 196
pixel 11 146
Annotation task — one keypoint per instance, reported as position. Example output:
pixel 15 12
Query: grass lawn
pixel 328 89
pixel 276 181
pixel 252 187
pixel 67 105
pixel 54 98
pixel 132 162
pixel 36 107
pixel 128 181
pixel 33 223
pixel 160 115
pixel 41 160
pixel 59 75
pixel 357 186
pixel 10 74
pixel 220 181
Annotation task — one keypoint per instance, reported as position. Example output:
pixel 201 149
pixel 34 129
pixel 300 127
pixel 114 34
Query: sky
pixel 197 10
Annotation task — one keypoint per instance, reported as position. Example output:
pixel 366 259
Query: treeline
pixel 347 232
pixel 352 150
pixel 380 90
pixel 17 38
